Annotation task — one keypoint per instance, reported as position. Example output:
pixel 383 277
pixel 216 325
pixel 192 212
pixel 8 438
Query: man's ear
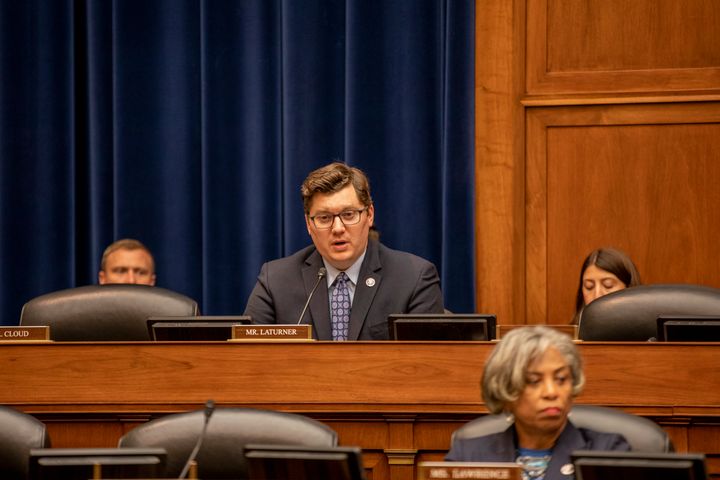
pixel 371 214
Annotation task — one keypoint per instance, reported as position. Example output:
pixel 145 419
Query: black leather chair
pixel 642 434
pixel 631 314
pixel 229 430
pixel 104 312
pixel 19 433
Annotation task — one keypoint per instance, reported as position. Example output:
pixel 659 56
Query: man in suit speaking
pixel 349 279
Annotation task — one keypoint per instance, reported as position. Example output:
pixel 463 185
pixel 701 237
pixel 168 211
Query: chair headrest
pixel 228 431
pixel 642 434
pixel 19 434
pixel 104 312
pixel 631 314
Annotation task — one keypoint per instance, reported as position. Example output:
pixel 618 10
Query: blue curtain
pixel 191 124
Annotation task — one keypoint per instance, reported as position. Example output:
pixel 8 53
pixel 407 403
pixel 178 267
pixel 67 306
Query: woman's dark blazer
pixel 502 447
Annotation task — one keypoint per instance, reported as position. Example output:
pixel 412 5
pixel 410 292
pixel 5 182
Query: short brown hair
pixel 126 244
pixel 333 178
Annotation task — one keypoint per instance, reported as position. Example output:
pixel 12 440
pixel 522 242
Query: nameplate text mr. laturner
pixel 272 332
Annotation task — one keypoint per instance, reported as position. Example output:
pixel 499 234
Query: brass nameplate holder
pixel 271 332
pixel 25 334
pixel 471 470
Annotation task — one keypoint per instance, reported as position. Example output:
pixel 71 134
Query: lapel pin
pixel 370 282
pixel 567 469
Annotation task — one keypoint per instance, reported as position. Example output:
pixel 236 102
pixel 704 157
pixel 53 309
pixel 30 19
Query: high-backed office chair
pixel 631 314
pixel 228 431
pixel 642 434
pixel 19 433
pixel 104 312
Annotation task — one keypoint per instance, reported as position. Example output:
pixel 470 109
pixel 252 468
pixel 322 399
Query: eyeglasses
pixel 323 221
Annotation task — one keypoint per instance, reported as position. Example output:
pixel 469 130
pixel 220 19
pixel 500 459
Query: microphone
pixel 209 409
pixel 582 310
pixel 321 274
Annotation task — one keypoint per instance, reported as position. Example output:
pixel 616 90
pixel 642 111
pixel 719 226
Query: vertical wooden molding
pixel 537 60
pixel 401 451
pixel 536 220
pixel 499 158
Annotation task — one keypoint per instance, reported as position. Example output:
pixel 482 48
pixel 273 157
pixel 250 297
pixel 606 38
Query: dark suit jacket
pixel 403 283
pixel 502 447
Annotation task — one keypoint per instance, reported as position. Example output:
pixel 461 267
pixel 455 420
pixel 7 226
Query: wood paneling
pixel 399 401
pixel 626 158
pixel 499 166
pixel 640 35
pixel 642 178
pixel 621 103
pixel 581 46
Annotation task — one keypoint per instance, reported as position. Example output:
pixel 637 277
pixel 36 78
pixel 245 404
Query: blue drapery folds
pixel 190 125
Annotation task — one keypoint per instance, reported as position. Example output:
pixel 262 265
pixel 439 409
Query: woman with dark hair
pixel 604 271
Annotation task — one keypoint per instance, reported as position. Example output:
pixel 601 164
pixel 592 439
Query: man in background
pixel 355 281
pixel 127 261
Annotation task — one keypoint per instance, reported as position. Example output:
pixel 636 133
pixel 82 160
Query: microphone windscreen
pixel 209 407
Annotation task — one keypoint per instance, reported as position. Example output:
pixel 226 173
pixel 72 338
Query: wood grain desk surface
pixel 648 378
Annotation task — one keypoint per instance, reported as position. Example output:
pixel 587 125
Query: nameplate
pixel 244 333
pixel 25 334
pixel 469 470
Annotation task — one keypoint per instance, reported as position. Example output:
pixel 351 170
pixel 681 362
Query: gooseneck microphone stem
pixel 321 274
pixel 209 409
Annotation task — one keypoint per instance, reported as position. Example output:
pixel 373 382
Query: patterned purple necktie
pixel 340 308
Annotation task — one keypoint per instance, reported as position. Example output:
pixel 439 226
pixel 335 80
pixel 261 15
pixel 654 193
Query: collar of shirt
pixel 353 273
